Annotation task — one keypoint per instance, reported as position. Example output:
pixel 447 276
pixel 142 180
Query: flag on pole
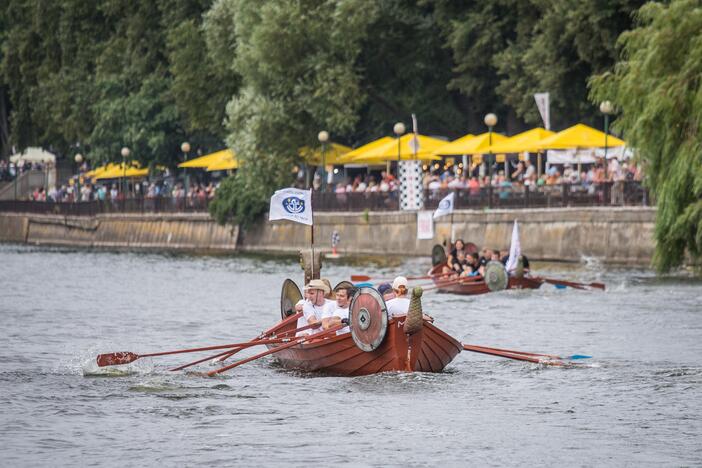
pixel 292 204
pixel 445 206
pixel 542 102
pixel 414 142
pixel 515 249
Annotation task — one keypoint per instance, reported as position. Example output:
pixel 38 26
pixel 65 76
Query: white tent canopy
pixel 33 155
pixel 586 155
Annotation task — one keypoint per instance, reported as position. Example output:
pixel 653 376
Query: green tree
pixel 297 63
pixel 657 90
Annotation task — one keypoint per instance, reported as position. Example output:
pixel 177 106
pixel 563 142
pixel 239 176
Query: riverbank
pixel 613 235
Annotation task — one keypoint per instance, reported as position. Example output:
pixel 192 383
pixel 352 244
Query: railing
pixel 547 196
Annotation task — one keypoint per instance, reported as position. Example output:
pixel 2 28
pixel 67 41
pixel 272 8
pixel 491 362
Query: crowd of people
pixel 197 193
pixel 464 260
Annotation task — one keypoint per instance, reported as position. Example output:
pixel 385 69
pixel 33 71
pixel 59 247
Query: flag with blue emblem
pixel 291 204
pixel 445 206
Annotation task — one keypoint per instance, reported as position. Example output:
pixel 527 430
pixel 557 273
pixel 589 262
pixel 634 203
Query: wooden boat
pixel 471 286
pixel 383 346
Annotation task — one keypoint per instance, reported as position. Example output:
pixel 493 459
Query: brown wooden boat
pixel 472 286
pixel 375 344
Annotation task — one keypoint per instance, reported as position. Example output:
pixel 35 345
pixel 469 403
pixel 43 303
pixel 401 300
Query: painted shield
pixel 438 255
pixel 496 276
pixel 289 296
pixel 368 318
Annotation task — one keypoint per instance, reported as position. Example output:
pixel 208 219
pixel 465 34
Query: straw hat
pixel 318 284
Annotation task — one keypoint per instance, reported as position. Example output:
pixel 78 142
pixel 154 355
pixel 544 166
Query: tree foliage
pixel 657 89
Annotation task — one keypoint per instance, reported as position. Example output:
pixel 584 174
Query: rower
pixel 333 317
pixel 400 304
pixel 313 309
pixel 386 291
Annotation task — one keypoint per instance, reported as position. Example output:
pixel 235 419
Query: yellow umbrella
pixel 208 159
pixel 98 170
pixel 351 155
pixel 522 142
pixel 470 144
pixel 391 151
pixel 225 163
pixel 578 136
pixel 332 154
pixel 117 171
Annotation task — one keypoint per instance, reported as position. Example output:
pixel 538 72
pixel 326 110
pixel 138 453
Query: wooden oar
pixel 125 357
pixel 363 278
pixel 572 284
pixel 294 342
pixel 229 353
pixel 516 356
pixel 551 356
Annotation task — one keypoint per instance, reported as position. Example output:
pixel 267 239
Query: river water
pixel 638 402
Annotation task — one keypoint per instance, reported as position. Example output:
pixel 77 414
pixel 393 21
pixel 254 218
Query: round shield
pixel 496 276
pixel 289 296
pixel 368 318
pixel 438 255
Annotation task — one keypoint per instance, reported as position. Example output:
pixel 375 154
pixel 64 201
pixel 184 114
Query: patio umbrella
pixel 391 151
pixel 578 136
pixel 349 157
pixel 224 163
pixel 332 154
pixel 207 160
pixel 522 142
pixel 470 144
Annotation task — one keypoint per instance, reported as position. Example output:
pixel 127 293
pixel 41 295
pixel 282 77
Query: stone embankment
pixel 614 235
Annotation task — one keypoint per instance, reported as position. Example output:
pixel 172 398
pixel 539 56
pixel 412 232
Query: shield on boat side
pixel 438 255
pixel 289 296
pixel 496 276
pixel 368 318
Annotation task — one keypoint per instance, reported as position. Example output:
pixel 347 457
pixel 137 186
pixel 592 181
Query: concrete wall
pixel 193 231
pixel 615 235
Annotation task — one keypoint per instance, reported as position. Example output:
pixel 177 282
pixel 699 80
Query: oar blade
pixel 578 356
pixel 355 278
pixel 115 359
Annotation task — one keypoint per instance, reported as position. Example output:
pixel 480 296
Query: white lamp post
pixel 607 109
pixel 490 120
pixel 399 130
pixel 125 152
pixel 323 138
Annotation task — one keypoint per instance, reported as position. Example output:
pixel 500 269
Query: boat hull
pixel 429 350
pixel 470 288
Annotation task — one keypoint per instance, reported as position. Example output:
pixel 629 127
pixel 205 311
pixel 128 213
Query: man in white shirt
pixel 340 311
pixel 398 306
pixel 314 306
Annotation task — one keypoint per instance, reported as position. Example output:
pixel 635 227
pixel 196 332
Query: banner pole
pixel 452 232
pixel 312 235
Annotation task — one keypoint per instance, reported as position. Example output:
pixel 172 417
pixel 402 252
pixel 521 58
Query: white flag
pixel 515 249
pixel 292 204
pixel 445 206
pixel 542 102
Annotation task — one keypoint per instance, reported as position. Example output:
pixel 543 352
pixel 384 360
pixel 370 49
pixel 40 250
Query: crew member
pixel 314 308
pixel 386 291
pixel 334 316
pixel 400 304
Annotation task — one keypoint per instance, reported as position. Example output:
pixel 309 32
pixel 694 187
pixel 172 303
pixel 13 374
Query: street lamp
pixel 399 130
pixel 78 158
pixel 607 109
pixel 323 137
pixel 490 120
pixel 125 152
pixel 185 148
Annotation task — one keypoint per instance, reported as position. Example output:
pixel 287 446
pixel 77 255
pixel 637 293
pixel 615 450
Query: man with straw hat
pixel 315 306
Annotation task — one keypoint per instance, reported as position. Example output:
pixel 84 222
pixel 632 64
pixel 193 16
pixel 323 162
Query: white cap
pixel 399 281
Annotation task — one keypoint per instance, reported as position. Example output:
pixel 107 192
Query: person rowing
pixel 399 305
pixel 333 317
pixel 315 306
